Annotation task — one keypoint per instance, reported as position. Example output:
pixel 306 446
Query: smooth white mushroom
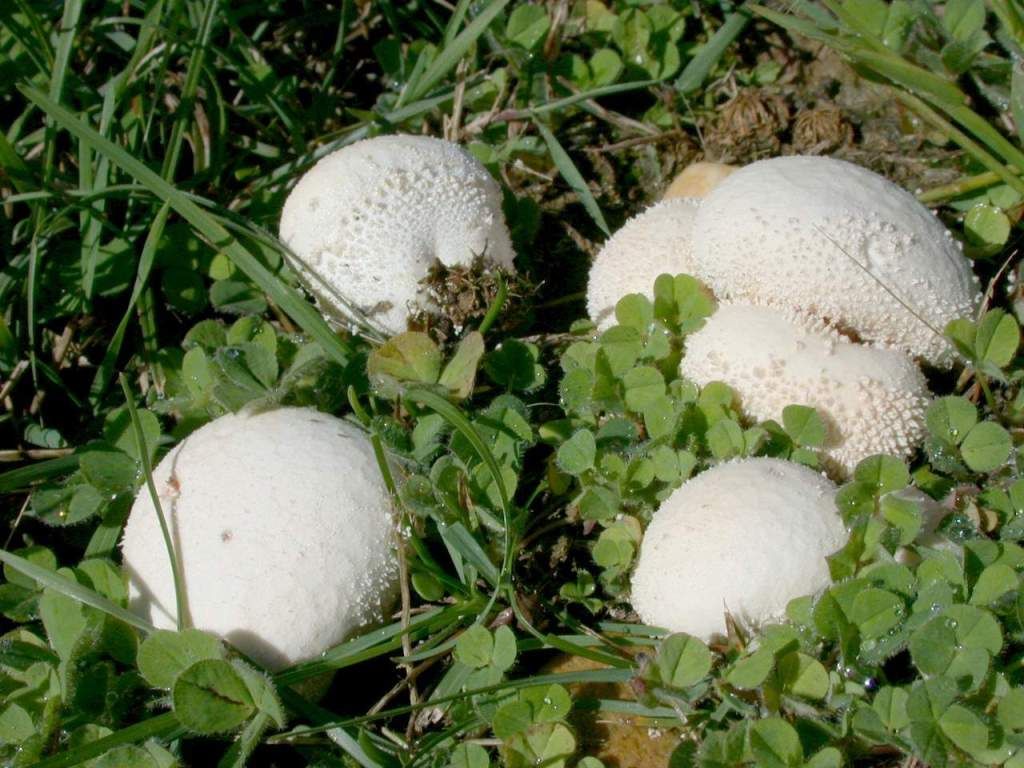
pixel 282 528
pixel 746 537
pixel 837 241
pixel 369 221
pixel 698 179
pixel 872 400
pixel 651 243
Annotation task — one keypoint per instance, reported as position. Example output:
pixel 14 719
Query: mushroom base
pixel 457 296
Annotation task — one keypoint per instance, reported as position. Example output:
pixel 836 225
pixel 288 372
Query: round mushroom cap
pixel 744 537
pixel 698 179
pixel 283 531
pixel 841 243
pixel 653 242
pixel 369 221
pixel 872 400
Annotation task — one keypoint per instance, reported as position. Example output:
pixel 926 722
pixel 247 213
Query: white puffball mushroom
pixel 872 400
pixel 368 221
pixel 746 537
pixel 837 241
pixel 282 528
pixel 698 179
pixel 654 241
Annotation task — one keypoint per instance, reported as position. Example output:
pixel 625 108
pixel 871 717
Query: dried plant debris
pixel 750 126
pixel 460 297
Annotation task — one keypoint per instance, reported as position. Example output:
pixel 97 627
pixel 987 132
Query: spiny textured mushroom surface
pixel 282 529
pixel 872 400
pixel 652 242
pixel 698 179
pixel 367 223
pixel 745 537
pixel 839 242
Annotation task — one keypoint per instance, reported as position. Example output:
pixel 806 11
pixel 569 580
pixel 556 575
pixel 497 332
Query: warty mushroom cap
pixel 283 531
pixel 654 241
pixel 842 243
pixel 746 537
pixel 698 179
pixel 872 400
pixel 368 221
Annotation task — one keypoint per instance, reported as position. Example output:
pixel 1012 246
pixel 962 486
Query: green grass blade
pixel 143 449
pixel 14 167
pixel 22 477
pixel 38 49
pixel 454 416
pixel 30 299
pixel 58 74
pixel 414 77
pixel 561 644
pixel 986 133
pixel 940 92
pixel 613 675
pixel 105 371
pixel 594 93
pixel 623 707
pixel 402 114
pixel 144 42
pixel 287 298
pixel 911 77
pixel 106 535
pixel 455 21
pixel 494 310
pixel 417 108
pixel 74 590
pixel 91 219
pixel 51 374
pixel 453 52
pixel 351 746
pixel 874 55
pixel 183 115
pixel 376 643
pixel 239 752
pixel 293 167
pixel 794 24
pixel 962 186
pixel 978 152
pixel 338 51
pixel 699 68
pixel 572 176
pixel 472 552
pixel 1011 16
pixel 162 726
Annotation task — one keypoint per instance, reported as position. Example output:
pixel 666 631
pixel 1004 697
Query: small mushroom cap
pixel 745 537
pixel 872 400
pixel 841 243
pixel 283 531
pixel 698 179
pixel 652 242
pixel 368 221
